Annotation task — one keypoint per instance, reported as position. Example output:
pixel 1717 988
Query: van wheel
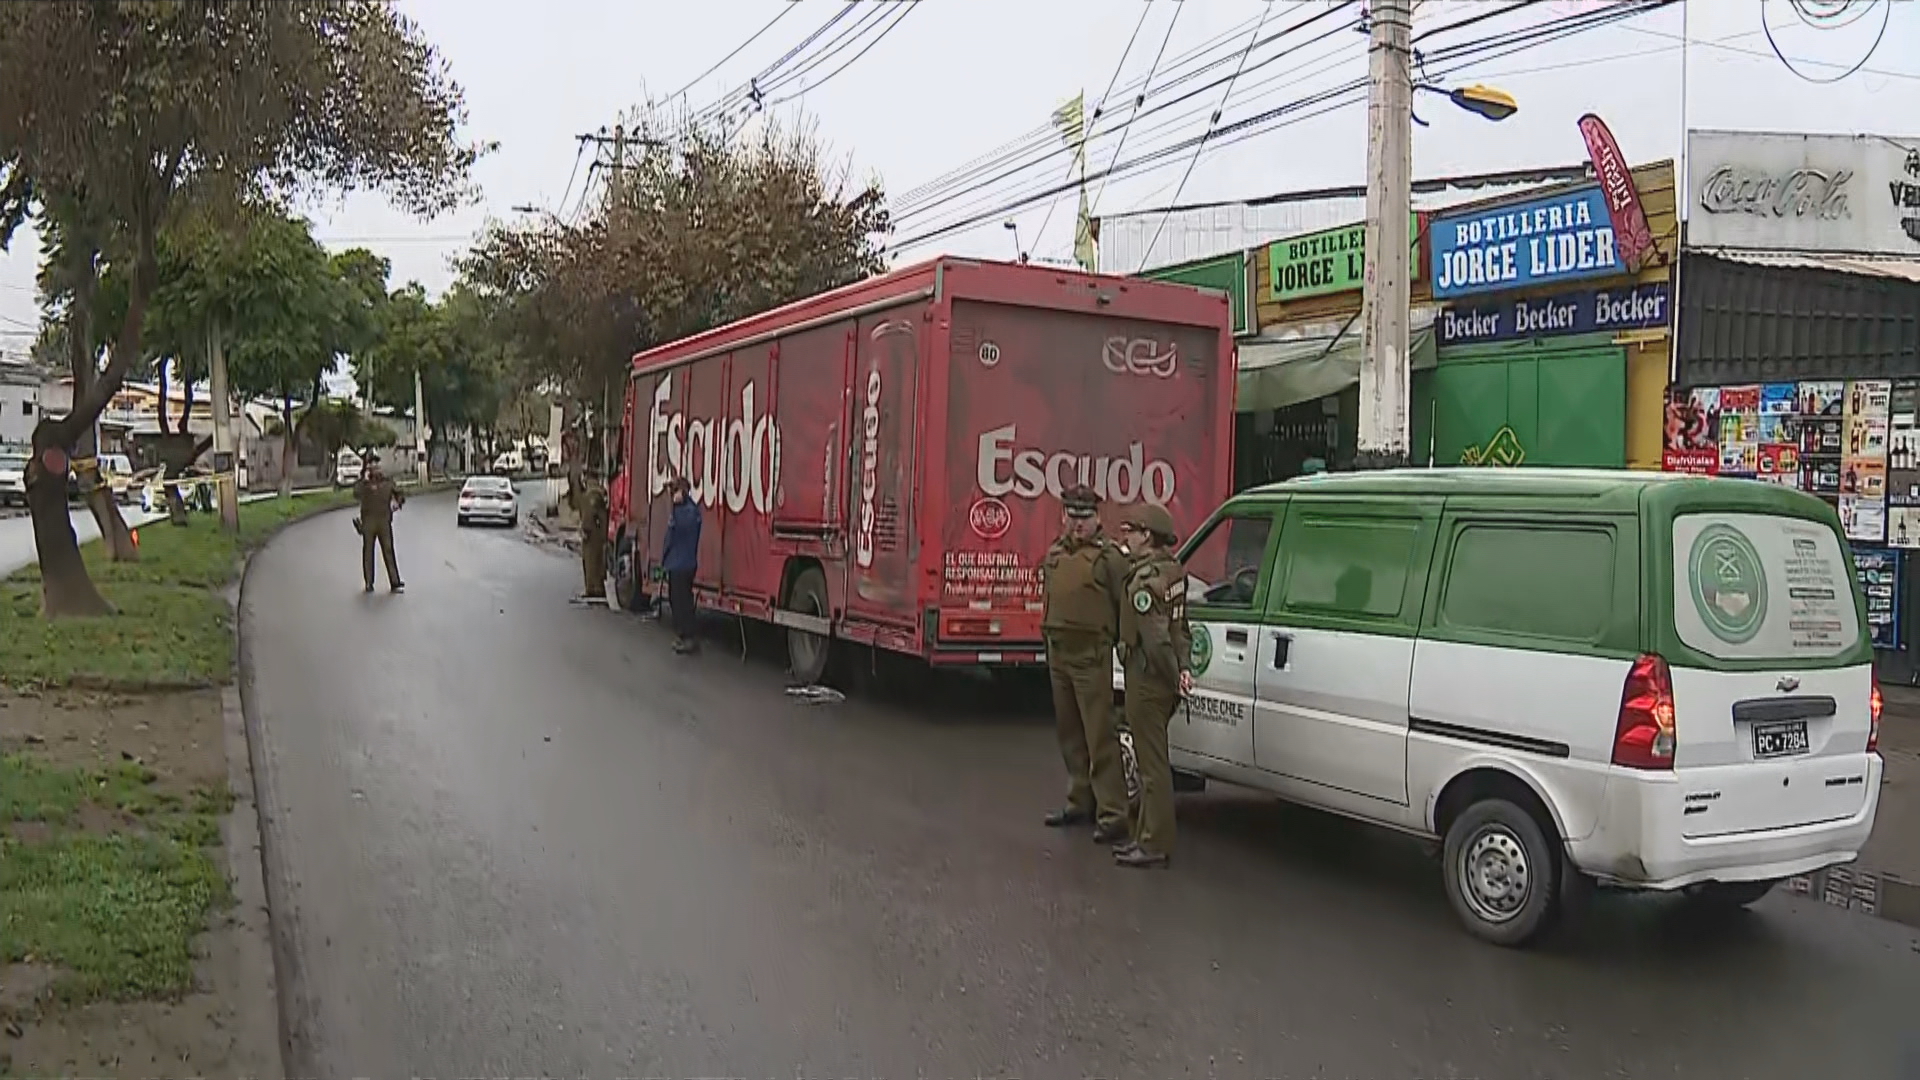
pixel 1730 894
pixel 1501 873
pixel 808 652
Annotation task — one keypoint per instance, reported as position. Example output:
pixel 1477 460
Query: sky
pixel 955 80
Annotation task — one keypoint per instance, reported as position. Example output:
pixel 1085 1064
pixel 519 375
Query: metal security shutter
pixel 1564 406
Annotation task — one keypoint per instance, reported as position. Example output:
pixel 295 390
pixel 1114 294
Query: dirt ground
pixel 181 739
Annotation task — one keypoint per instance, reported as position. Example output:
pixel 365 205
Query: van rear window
pixel 1761 587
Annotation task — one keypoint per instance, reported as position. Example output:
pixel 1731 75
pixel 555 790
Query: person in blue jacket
pixel 680 558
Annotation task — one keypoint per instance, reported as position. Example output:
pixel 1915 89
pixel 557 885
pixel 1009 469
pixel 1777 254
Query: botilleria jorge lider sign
pixel 1326 262
pixel 1563 237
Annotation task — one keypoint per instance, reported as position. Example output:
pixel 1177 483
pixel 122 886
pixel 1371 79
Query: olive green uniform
pixel 1156 646
pixel 378 500
pixel 1083 582
pixel 592 504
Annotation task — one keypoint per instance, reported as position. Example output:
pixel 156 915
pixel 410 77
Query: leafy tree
pixel 121 105
pixel 697 234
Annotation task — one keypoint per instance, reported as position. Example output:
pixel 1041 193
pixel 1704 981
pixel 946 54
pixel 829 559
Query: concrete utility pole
pixel 228 484
pixel 1385 362
pixel 419 428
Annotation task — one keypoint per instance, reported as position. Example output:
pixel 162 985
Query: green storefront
pixel 1532 366
pixel 1541 401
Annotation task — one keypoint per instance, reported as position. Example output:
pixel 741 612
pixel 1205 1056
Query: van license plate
pixel 1784 739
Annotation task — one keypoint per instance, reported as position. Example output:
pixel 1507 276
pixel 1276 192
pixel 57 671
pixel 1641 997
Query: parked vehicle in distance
pixel 347 467
pixel 1641 680
pixel 881 466
pixel 117 472
pixel 488 498
pixel 13 477
pixel 509 463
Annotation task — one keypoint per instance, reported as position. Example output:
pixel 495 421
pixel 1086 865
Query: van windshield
pixel 1762 587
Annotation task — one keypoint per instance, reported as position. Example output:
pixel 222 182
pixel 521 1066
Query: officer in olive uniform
pixel 378 499
pixel 1083 576
pixel 1155 648
pixel 591 503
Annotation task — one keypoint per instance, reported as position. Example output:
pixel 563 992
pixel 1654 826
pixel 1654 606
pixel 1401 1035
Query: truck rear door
pixel 1040 399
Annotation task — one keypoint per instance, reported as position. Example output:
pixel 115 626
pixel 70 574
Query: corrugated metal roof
pixel 1181 234
pixel 1900 269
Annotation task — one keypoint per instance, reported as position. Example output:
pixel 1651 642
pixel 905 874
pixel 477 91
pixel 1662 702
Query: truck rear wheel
pixel 808 652
pixel 626 582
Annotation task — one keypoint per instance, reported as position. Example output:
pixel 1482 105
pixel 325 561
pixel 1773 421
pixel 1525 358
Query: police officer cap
pixel 1154 519
pixel 1081 500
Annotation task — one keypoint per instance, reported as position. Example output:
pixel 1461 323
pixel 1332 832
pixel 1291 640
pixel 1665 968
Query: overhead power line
pixel 1447 61
pixel 1090 122
pixel 785 10
pixel 1044 134
pixel 1146 86
pixel 1201 148
pixel 1017 168
pixel 1514 41
pixel 1046 153
pixel 905 8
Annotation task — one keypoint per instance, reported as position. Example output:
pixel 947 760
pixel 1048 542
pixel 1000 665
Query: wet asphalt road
pixel 511 837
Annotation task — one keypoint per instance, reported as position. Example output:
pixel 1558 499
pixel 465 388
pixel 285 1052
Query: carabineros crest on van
pixel 1729 583
pixel 1202 652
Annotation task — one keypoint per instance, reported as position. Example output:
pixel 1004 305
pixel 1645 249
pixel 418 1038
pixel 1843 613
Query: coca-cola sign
pixel 1798 193
pixel 1766 191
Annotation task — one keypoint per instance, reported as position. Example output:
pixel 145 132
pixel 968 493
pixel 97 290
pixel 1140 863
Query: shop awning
pixel 1285 366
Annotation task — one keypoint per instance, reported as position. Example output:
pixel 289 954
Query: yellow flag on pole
pixel 1071 120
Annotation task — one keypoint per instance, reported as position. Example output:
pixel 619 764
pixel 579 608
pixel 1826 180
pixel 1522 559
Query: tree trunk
pixel 65 588
pixel 114 534
pixel 169 468
pixel 289 446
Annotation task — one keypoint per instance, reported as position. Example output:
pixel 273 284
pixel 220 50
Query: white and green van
pixel 1643 680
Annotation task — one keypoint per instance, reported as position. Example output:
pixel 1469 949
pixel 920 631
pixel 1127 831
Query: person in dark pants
pixel 1083 577
pixel 681 559
pixel 1156 647
pixel 378 499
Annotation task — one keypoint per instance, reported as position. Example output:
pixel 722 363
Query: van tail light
pixel 1874 704
pixel 1645 738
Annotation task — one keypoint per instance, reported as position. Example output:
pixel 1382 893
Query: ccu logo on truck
pixel 1140 356
pixel 869 465
pixel 1004 469
pixel 747 449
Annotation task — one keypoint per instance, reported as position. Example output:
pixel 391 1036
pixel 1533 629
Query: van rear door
pixel 1772 690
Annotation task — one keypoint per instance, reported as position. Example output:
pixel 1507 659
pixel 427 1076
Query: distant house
pixel 19 402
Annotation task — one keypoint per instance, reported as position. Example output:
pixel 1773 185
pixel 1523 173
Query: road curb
pixel 277 905
pixel 258 1007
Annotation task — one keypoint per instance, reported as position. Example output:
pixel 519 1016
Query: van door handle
pixel 1236 637
pixel 1282 647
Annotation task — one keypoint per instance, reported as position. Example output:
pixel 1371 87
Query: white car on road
pixel 489 498
pixel 13 478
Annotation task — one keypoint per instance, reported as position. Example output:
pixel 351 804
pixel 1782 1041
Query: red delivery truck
pixel 882 464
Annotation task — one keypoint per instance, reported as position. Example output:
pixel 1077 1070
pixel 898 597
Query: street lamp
pixel 1486 101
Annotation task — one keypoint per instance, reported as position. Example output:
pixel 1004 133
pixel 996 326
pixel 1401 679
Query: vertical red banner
pixel 1631 233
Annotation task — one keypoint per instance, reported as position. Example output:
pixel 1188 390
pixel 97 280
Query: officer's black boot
pixel 1139 858
pixel 1068 816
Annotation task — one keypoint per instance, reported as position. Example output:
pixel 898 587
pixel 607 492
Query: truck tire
pixel 807 652
pixel 626 583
